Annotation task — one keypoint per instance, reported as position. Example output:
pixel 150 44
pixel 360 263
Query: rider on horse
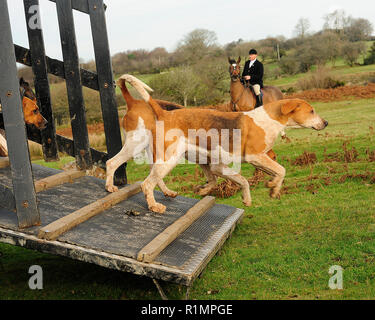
pixel 253 74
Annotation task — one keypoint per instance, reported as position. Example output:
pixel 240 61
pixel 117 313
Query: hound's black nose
pixel 325 122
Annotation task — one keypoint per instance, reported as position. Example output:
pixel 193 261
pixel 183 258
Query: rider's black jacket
pixel 256 72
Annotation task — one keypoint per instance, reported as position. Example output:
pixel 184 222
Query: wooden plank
pixel 56 67
pixel 73 84
pixel 23 184
pixel 106 84
pixel 4 162
pixel 58 179
pixel 42 89
pixel 3 144
pixel 160 242
pixel 58 227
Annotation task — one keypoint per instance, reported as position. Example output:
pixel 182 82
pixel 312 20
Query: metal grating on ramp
pixel 116 232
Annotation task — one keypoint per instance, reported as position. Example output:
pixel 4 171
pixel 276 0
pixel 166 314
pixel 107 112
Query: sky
pixel 147 24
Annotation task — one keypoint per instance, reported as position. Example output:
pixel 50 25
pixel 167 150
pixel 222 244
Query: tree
pixel 358 29
pixel 180 85
pixel 289 65
pixel 337 21
pixel 330 45
pixel 197 44
pixel 370 59
pixel 302 27
pixel 351 52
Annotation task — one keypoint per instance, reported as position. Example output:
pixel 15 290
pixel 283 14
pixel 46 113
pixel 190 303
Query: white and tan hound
pixel 258 132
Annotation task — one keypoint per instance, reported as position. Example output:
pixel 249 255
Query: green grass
pixel 339 70
pixel 282 249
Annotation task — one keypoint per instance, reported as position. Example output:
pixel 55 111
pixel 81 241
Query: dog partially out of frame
pixel 31 113
pixel 139 126
pixel 258 131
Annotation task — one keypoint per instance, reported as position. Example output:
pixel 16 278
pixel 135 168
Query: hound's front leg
pixel 228 173
pixel 163 187
pixel 130 149
pixel 266 164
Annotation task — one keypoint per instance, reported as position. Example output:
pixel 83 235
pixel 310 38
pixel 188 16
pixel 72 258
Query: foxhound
pixel 31 113
pixel 252 135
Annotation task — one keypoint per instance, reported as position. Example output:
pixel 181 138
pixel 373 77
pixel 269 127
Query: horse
pixel 242 97
pixel 31 113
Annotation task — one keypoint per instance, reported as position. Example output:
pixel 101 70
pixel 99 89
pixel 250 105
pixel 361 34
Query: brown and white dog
pixel 258 130
pixel 31 113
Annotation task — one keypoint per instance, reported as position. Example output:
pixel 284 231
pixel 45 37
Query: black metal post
pixel 73 83
pixel 23 184
pixel 106 84
pixel 39 65
pixel 56 67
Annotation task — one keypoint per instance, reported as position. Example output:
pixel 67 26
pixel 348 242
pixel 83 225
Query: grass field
pixel 283 249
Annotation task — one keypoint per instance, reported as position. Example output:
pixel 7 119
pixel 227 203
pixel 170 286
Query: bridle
pixel 235 78
pixel 22 92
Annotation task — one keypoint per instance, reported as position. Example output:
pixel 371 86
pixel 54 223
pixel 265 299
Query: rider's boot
pixel 259 101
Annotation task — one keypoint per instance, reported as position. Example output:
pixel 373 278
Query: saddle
pixel 246 84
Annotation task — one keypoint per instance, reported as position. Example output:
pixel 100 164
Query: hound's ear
pixel 229 60
pixel 289 106
pixel 239 60
pixel 23 83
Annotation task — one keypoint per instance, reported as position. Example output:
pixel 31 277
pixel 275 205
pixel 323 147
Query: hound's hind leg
pixel 211 181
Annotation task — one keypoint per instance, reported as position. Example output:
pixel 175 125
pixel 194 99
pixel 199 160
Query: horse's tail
pixel 143 89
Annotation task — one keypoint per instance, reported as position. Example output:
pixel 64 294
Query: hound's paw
pixel 158 208
pixel 204 191
pixel 270 184
pixel 171 194
pixel 275 194
pixel 247 203
pixel 111 188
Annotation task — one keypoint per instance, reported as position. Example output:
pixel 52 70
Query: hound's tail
pixel 142 89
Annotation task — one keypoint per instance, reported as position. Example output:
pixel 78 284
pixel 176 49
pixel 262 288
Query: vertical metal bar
pixel 106 84
pixel 39 65
pixel 22 176
pixel 73 84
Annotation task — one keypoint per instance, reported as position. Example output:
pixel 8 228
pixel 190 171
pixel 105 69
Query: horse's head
pixel 234 69
pixel 30 107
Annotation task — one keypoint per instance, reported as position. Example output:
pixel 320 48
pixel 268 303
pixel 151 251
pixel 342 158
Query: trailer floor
pixel 114 237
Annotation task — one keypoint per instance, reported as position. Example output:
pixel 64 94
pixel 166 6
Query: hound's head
pixel 234 69
pixel 299 113
pixel 31 110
